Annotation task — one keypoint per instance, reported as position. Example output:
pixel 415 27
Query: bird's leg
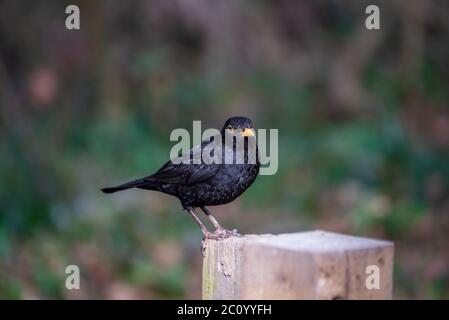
pixel 219 230
pixel 206 233
pixel 198 221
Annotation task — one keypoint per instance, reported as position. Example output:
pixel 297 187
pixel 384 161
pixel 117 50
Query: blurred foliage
pixel 363 120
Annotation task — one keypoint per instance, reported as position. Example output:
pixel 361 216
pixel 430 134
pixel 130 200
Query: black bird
pixel 205 183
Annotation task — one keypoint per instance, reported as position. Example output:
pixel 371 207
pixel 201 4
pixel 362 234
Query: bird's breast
pixel 226 185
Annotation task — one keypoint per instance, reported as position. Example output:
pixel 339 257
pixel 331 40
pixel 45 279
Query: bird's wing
pixel 185 173
pixel 203 172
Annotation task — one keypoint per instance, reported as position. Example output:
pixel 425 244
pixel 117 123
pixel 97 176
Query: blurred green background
pixel 363 121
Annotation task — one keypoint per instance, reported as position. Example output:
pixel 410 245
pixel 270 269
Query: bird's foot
pixel 219 234
pixel 209 235
pixel 223 233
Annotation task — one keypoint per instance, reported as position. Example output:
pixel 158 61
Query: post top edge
pixel 318 241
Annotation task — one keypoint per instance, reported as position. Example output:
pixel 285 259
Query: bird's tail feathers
pixel 128 185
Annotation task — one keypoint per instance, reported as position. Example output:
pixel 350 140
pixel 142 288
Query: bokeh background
pixel 363 121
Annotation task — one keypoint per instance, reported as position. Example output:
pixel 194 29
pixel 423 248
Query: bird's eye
pixel 229 127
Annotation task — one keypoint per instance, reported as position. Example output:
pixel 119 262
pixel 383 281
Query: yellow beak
pixel 248 132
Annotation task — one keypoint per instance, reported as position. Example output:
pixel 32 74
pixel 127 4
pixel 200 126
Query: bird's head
pixel 239 125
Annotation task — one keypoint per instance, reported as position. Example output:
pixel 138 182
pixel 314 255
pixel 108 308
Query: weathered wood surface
pixel 305 265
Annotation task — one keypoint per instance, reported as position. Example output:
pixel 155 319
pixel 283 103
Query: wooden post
pixel 305 265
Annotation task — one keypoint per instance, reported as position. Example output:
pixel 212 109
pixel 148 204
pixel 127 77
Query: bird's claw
pixel 223 233
pixel 236 233
pixel 203 247
pixel 208 235
pixel 219 234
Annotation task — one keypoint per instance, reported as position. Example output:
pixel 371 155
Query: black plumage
pixel 208 184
